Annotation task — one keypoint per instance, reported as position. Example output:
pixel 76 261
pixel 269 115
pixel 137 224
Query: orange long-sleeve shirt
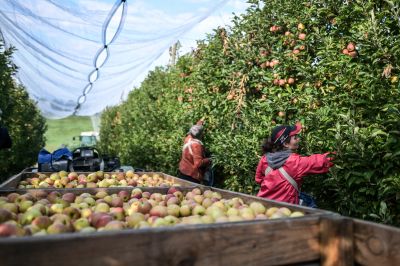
pixel 193 159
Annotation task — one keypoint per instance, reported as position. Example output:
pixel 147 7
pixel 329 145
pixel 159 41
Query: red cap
pixel 281 133
pixel 297 129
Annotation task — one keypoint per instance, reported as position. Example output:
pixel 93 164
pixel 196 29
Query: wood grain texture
pixel 269 242
pixel 376 244
pixel 336 241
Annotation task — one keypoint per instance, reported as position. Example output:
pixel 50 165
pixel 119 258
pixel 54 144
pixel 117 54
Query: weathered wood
pixel 336 241
pixel 268 242
pixel 294 241
pixel 13 181
pixel 376 244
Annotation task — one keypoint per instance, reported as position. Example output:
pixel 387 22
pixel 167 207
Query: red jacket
pixel 193 159
pixel 275 186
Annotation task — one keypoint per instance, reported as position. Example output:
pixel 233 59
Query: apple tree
pixel 21 117
pixel 333 65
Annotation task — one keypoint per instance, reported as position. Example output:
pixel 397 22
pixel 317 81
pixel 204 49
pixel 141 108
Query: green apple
pixel 90 201
pixel 88 230
pixel 173 210
pixel 285 211
pixel 296 214
pixel 198 210
pixel 28 216
pixel 81 223
pixel 171 220
pixel 247 213
pixel 101 194
pixel 257 207
pixel 102 207
pixel 12 207
pixel 134 219
pixel 232 212
pixel 57 228
pixel 185 210
pixel 61 218
pixel 206 219
pixel 114 225
pixel 72 213
pixel 271 211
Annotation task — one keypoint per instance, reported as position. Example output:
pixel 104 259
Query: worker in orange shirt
pixel 194 163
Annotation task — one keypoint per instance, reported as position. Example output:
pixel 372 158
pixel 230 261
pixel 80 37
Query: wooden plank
pixel 336 241
pixel 12 182
pixel 268 242
pixel 376 244
pixel 180 180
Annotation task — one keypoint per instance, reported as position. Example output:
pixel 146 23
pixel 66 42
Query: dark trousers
pixel 188 178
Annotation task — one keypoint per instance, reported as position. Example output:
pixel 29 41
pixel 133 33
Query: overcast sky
pixel 59 42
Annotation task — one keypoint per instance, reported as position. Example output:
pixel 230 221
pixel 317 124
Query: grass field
pixel 61 131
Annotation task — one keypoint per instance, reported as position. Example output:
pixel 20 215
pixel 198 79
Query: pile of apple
pixel 41 213
pixel 64 179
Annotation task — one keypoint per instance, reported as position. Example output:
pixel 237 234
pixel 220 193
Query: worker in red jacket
pixel 280 171
pixel 193 162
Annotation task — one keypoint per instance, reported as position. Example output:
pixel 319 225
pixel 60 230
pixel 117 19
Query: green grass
pixel 61 131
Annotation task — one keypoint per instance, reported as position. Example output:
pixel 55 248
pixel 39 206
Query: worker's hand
pixel 200 122
pixel 330 156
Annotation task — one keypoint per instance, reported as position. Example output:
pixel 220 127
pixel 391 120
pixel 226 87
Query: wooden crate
pixel 318 238
pixel 257 242
pixel 12 182
pixel 376 244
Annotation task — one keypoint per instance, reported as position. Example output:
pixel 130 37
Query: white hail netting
pixel 78 56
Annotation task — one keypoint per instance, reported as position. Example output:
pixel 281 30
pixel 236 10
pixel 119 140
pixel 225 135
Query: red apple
pixel 103 220
pixel 8 229
pixel 351 46
pixel 173 189
pixel 136 193
pixel 302 36
pixel 69 197
pixel 114 225
pixel 144 206
pixel 72 176
pixel 117 201
pixel 5 215
pixel 160 211
pixel 146 194
pixel 117 213
pixel 124 195
pixel 42 222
